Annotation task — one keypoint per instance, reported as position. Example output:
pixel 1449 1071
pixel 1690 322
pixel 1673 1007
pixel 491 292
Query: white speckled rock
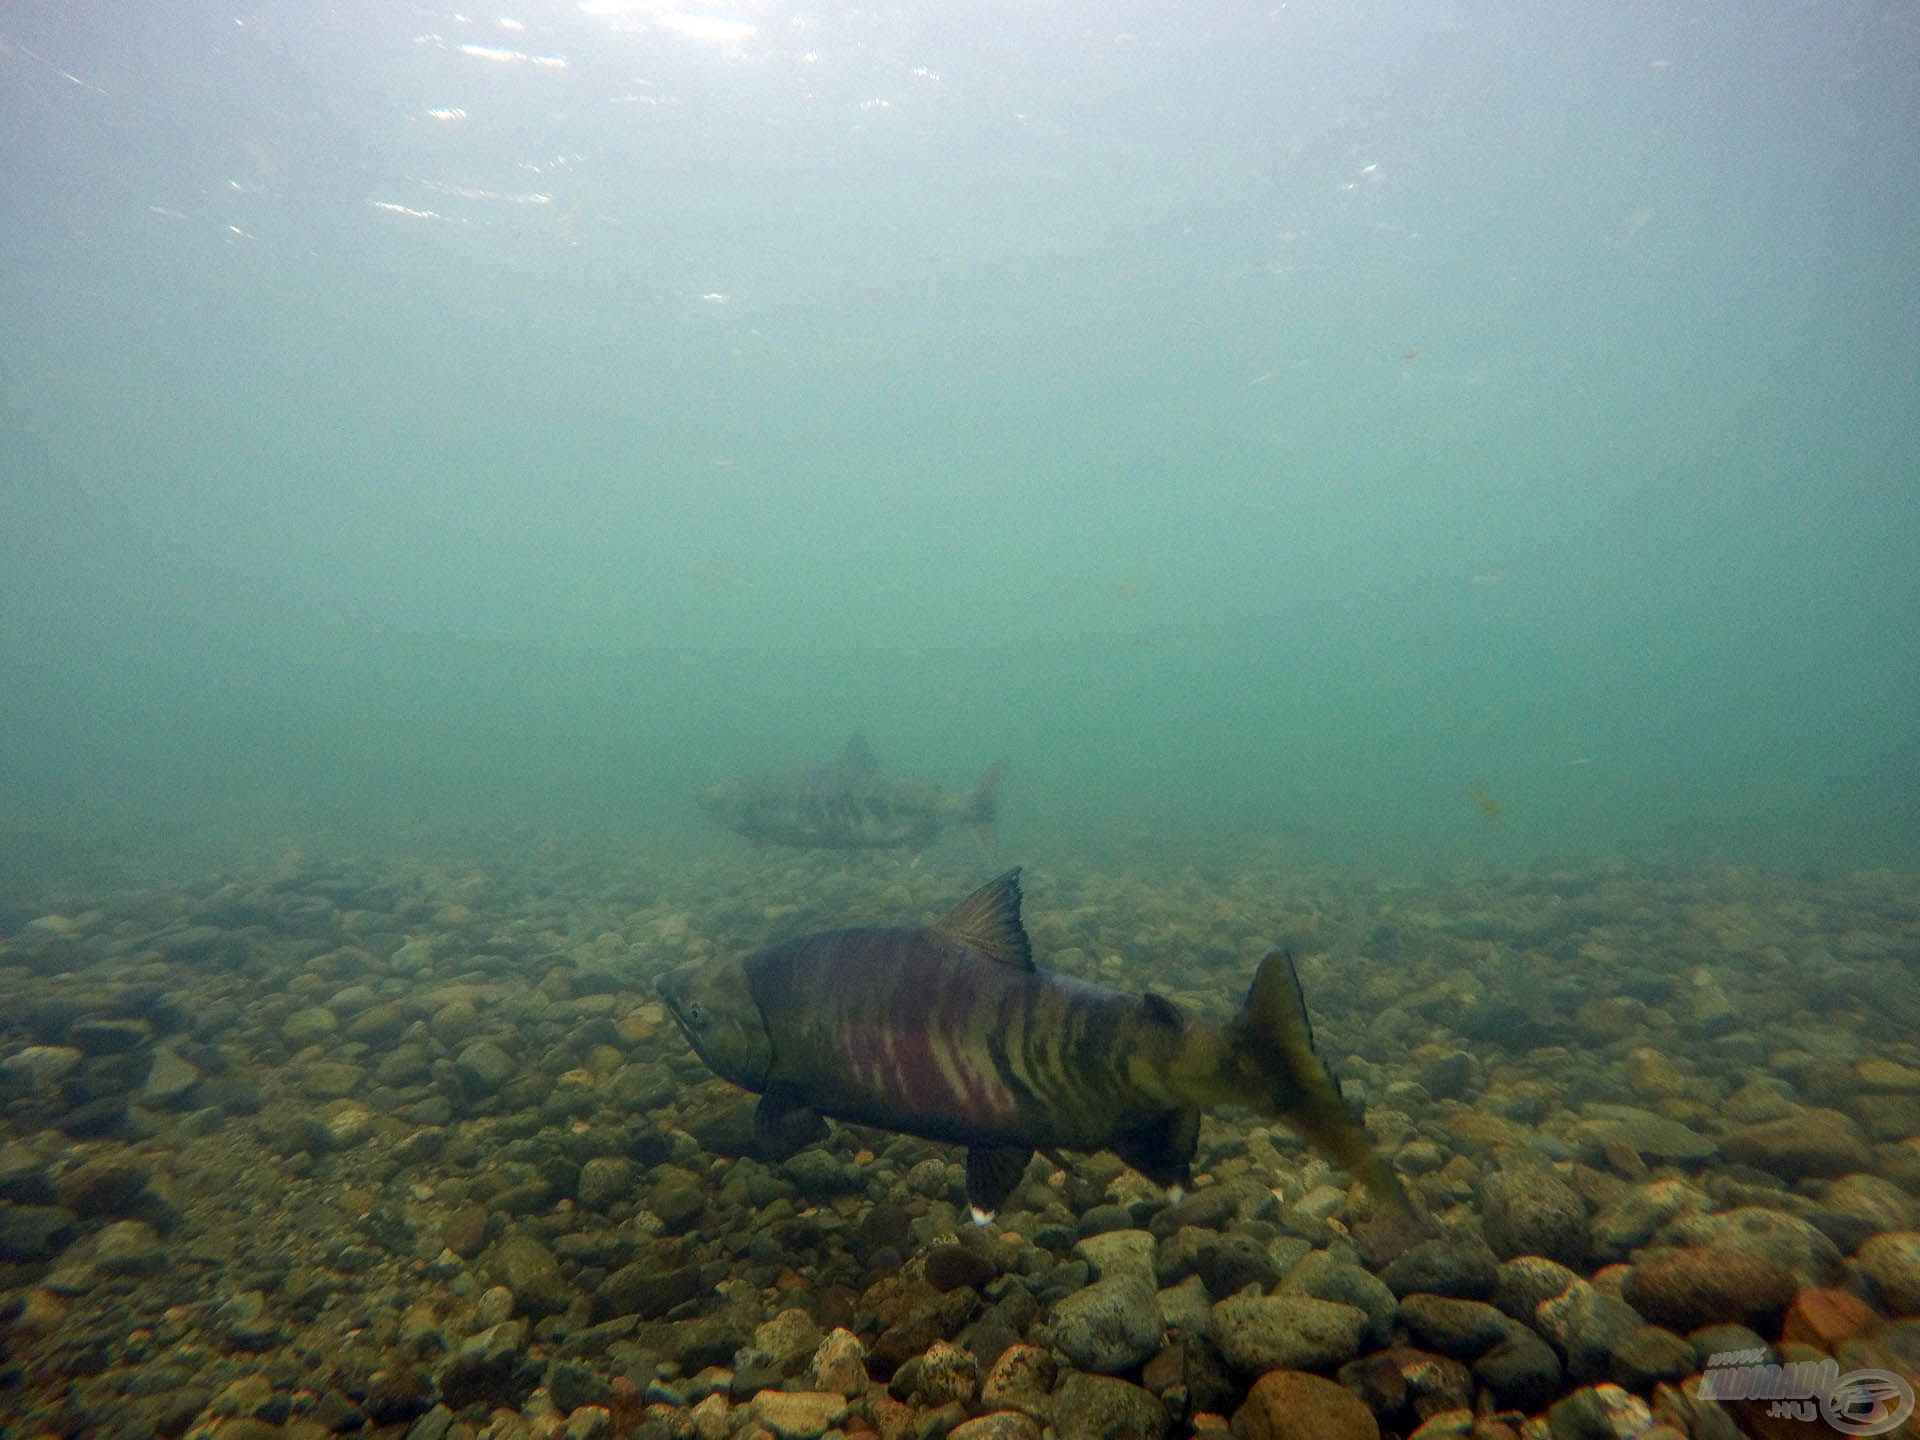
pixel 839 1364
pixel 1785 1239
pixel 1118 1252
pixel 1111 1326
pixel 1184 1306
pixel 1285 1332
pixel 1632 1220
pixel 799 1414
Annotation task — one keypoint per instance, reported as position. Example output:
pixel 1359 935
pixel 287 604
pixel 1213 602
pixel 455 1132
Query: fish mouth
pixel 719 1019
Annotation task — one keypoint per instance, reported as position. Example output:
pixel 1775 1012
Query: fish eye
pixel 696 1012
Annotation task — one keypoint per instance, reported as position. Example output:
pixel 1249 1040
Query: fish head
pixel 714 1007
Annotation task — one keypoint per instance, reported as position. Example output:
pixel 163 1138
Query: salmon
pixel 950 1032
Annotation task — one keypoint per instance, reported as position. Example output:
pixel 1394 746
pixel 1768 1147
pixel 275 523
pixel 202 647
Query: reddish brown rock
pixel 1685 1289
pixel 1828 1318
pixel 998 1425
pixel 893 1419
pixel 912 1315
pixel 1293 1405
pixel 1400 1378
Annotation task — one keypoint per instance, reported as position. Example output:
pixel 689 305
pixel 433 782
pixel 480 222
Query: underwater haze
pixel 1410 435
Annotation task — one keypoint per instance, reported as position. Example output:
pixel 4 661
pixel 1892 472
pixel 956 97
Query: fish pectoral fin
pixel 993 1171
pixel 784 1123
pixel 1163 1148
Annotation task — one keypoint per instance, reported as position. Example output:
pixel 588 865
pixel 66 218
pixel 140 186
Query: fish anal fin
pixel 993 1171
pixel 1163 1010
pixel 988 920
pixel 1163 1148
pixel 783 1123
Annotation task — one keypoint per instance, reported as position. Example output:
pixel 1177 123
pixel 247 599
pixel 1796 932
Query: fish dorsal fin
pixel 988 920
pixel 857 758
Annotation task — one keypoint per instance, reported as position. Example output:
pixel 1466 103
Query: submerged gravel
pixel 407 1148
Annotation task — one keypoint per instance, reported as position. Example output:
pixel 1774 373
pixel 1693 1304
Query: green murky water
pixel 1416 439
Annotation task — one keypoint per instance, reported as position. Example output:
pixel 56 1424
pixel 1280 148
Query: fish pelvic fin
pixel 1271 1052
pixel 993 1173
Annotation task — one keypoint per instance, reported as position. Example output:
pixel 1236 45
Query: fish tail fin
pixel 1273 1039
pixel 983 804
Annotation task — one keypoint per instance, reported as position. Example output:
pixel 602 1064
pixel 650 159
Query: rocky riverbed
pixel 406 1147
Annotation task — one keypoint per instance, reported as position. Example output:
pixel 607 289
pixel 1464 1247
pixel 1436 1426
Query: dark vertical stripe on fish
pixel 1025 1098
